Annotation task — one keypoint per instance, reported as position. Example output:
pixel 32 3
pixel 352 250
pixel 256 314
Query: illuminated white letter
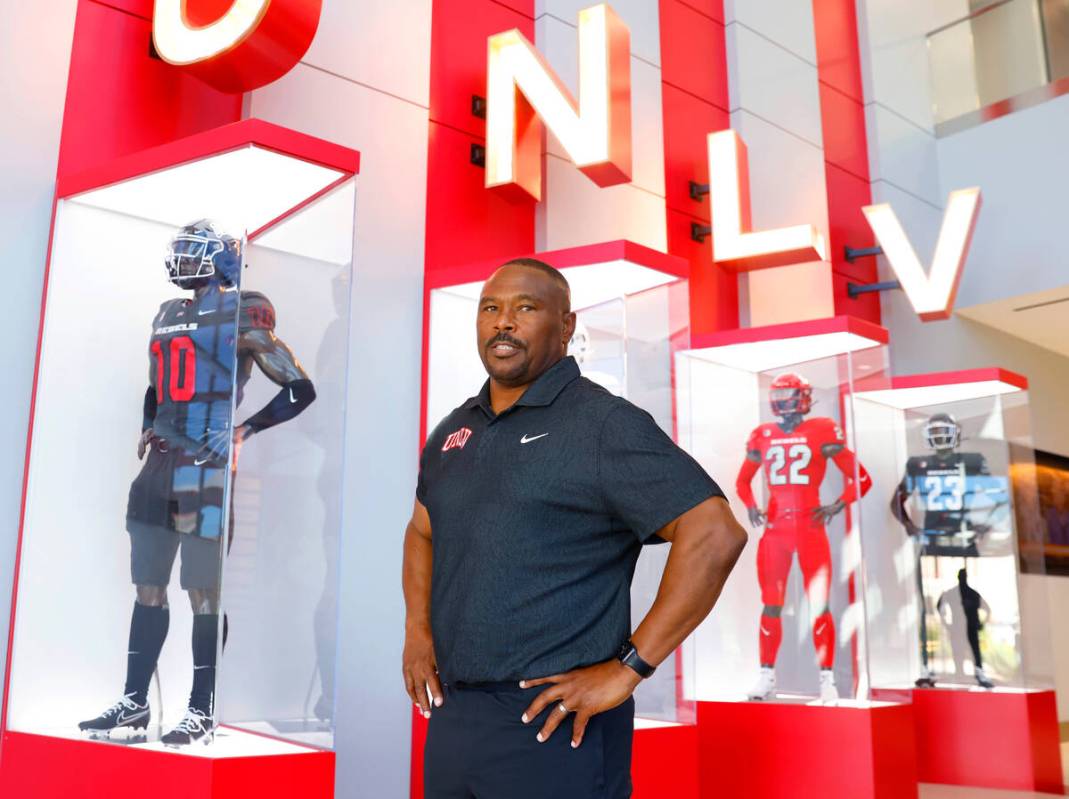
pixel 735 245
pixel 933 294
pixel 179 43
pixel 595 131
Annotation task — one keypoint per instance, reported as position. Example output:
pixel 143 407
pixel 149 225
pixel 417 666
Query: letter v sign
pixel 932 294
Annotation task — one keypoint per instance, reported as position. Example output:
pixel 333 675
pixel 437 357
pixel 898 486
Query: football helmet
pixel 197 253
pixel 942 431
pixel 790 394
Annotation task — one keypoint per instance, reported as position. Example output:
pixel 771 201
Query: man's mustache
pixel 505 338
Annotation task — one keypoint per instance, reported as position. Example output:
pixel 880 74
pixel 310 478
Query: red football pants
pixel 774 555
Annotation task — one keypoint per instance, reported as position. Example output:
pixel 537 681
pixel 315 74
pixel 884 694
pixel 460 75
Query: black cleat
pixel 127 713
pixel 194 726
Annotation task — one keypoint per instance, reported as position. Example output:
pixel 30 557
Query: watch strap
pixel 630 657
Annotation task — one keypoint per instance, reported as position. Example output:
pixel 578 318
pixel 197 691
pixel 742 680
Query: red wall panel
pixel 846 164
pixel 838 57
pixel 458 57
pixel 120 100
pixel 714 292
pixel 711 8
pixel 693 52
pixel 688 121
pixel 465 222
pixel 843 121
pixel 694 99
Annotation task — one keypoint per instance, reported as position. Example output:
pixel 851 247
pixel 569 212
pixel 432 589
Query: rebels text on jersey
pixel 193 358
pixel 794 464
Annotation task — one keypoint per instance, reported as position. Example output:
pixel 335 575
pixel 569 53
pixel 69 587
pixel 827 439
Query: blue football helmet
pixel 198 254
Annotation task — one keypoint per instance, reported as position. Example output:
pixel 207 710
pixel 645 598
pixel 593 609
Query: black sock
pixel 148 629
pixel 205 641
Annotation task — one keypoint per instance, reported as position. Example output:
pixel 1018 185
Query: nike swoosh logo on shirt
pixel 200 462
pixel 293 399
pixel 526 440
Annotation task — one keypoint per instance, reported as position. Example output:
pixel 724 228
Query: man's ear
pixel 569 327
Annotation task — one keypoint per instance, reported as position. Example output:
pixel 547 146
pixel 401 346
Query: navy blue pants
pixel 478 748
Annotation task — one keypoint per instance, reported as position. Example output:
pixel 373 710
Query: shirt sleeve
pixel 645 479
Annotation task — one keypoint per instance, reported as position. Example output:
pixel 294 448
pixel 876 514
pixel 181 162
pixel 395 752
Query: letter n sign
pixel 595 131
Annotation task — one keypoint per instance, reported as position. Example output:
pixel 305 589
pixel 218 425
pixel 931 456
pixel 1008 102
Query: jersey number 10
pixel 795 459
pixel 182 382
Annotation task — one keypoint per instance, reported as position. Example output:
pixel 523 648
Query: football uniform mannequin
pixel 946 482
pixel 201 354
pixel 793 454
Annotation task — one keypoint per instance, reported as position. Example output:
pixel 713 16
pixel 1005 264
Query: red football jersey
pixel 794 465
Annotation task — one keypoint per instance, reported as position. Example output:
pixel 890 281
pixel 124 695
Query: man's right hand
pixel 757 518
pixel 144 442
pixel 420 670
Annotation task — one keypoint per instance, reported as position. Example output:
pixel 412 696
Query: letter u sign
pixel 235 46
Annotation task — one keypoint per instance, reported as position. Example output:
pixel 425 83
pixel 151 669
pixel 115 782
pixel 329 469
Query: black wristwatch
pixel 629 657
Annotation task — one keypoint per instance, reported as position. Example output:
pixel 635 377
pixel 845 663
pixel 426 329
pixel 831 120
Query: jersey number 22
pixel 795 459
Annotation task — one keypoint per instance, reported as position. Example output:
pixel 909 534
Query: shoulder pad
pixel 829 430
pixel 257 312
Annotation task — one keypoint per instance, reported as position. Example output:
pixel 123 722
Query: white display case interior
pixel 291 200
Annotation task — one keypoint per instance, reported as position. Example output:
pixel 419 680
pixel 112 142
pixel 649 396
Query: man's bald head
pixel 524 321
pixel 555 274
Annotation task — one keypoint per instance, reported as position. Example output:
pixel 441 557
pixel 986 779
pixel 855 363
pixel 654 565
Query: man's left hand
pixel 584 692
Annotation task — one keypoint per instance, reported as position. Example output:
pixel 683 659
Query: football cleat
pixel 982 679
pixel 766 686
pixel 926 680
pixel 829 694
pixel 127 713
pixel 194 726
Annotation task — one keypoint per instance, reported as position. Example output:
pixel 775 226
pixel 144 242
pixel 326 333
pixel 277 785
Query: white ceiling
pixel 1041 318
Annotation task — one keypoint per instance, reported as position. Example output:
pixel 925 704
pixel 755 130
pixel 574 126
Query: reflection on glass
pixel 790 624
pixel 997 52
pixel 944 547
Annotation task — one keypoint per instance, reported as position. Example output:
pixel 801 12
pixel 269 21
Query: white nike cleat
pixel 829 694
pixel 982 679
pixel 765 687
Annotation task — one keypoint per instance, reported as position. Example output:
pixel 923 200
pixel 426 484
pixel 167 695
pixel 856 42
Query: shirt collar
pixel 543 391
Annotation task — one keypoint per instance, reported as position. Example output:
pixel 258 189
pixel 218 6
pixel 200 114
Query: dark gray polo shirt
pixel 537 518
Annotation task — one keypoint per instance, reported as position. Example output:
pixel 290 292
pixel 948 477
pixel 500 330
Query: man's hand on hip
pixel 584 692
pixel 420 670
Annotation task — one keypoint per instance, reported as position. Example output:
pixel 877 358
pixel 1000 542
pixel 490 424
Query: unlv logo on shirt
pixel 457 440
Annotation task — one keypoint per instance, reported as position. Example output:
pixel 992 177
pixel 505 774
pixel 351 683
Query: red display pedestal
pixel 42 767
pixel 771 750
pixel 995 739
pixel 664 762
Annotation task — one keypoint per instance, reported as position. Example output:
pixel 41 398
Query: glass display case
pixel 766 412
pixel 949 530
pixel 632 313
pixel 178 547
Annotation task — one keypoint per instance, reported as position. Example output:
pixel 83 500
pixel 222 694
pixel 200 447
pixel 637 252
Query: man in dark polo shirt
pixel 534 499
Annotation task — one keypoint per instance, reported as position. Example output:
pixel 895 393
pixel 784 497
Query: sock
pixel 824 639
pixel 205 640
pixel 771 634
pixel 148 630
